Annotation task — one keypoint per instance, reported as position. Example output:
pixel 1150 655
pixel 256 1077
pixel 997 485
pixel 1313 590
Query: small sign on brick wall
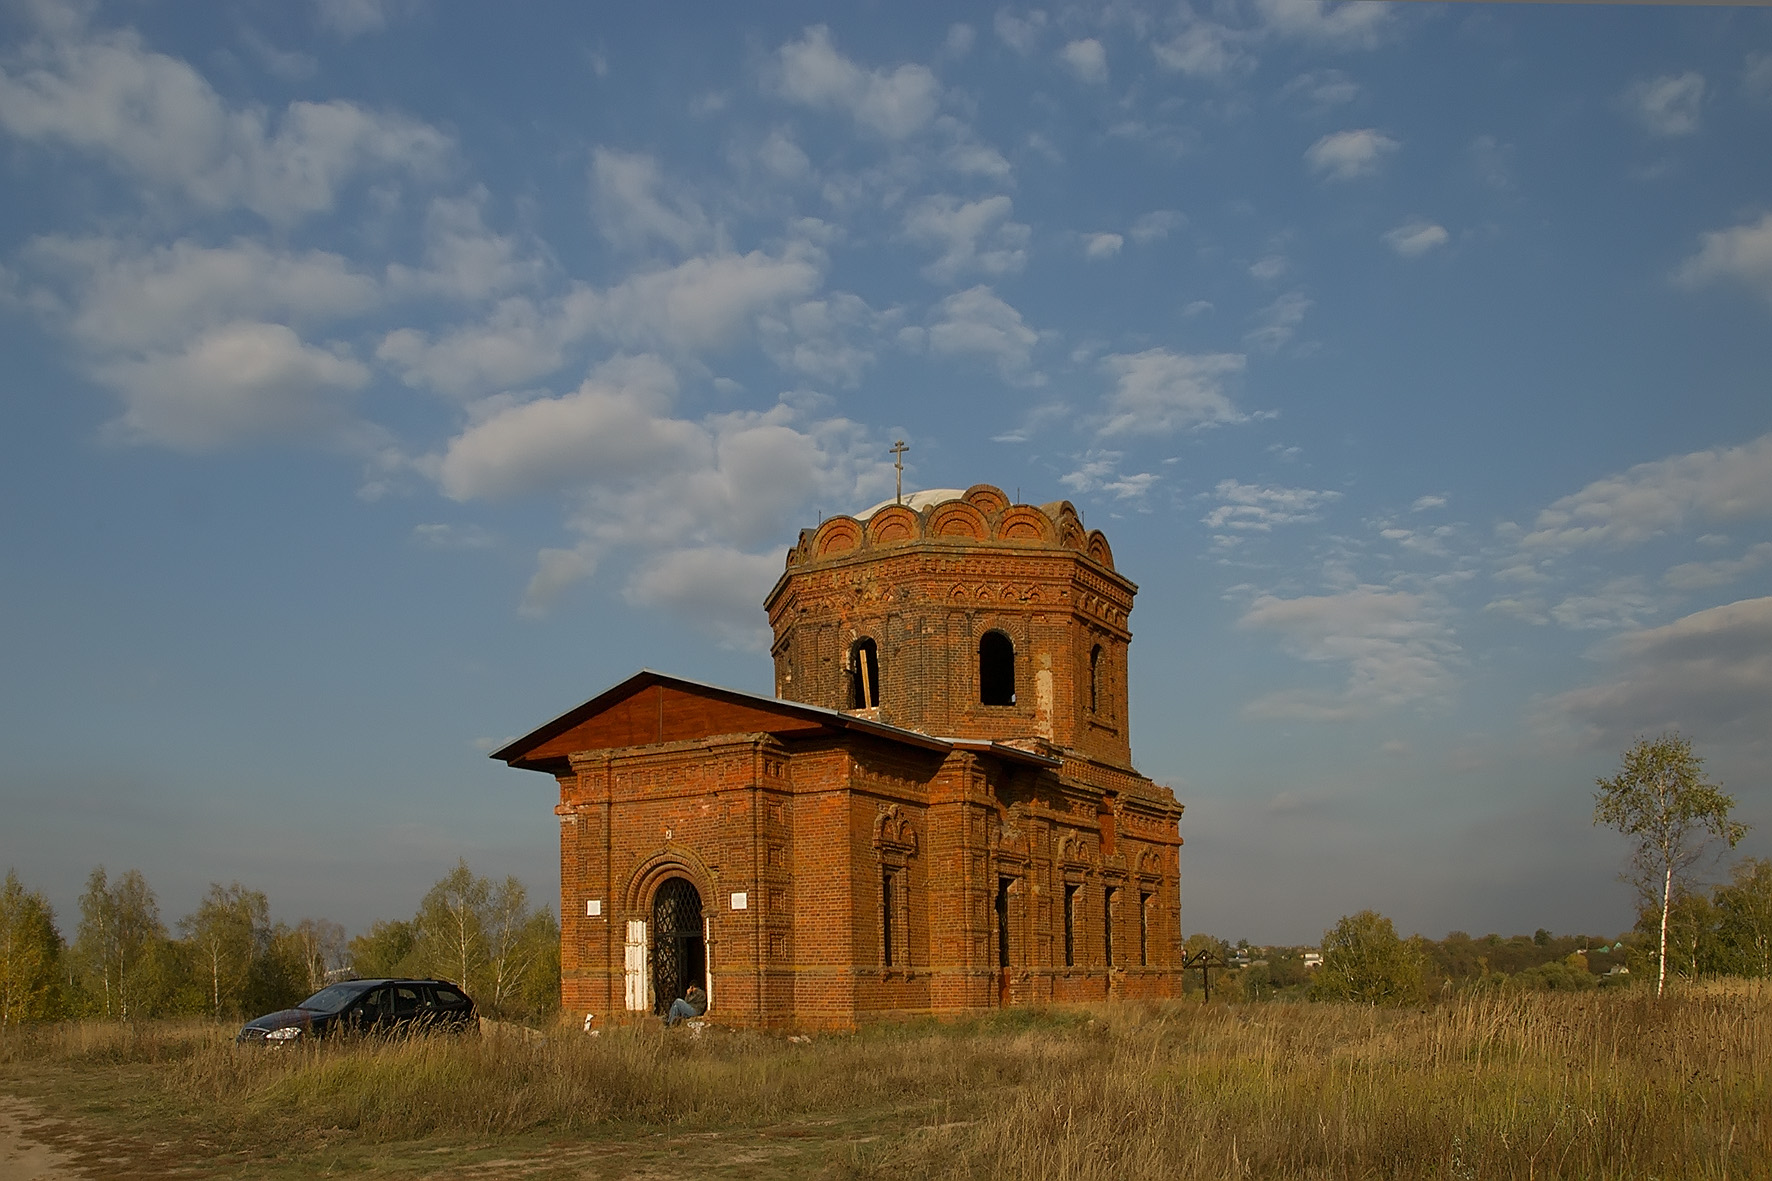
pixel 593 907
pixel 741 901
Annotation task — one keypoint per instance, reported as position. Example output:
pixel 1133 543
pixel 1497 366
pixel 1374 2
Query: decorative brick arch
pixel 1099 549
pixel 986 498
pixel 1025 523
pixel 839 535
pixel 894 524
pixel 957 520
pixel 672 861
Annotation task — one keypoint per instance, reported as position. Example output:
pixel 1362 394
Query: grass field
pixel 1593 1085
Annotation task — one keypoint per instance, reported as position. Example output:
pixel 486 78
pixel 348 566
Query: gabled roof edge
pixel 513 751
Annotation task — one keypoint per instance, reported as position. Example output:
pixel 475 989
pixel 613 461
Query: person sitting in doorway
pixel 692 1005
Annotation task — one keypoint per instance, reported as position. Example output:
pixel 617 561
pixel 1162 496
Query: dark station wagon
pixel 372 1007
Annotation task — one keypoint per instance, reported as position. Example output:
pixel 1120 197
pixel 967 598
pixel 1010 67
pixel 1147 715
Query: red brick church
pixel 937 812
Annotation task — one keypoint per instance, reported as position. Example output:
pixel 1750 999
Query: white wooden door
pixel 638 990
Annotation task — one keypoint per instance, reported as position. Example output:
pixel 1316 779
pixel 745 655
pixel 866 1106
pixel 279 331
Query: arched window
pixel 864 674
pixel 996 669
pixel 1095 679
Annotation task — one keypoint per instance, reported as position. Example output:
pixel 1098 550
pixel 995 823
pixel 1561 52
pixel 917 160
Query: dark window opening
pixel 1107 926
pixel 1003 922
pixel 1070 926
pixel 886 904
pixel 864 674
pixel 1144 930
pixel 1095 679
pixel 996 670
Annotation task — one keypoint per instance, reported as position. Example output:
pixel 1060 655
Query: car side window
pixel 449 998
pixel 405 1002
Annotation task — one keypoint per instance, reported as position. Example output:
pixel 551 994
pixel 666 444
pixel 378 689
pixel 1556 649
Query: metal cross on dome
pixel 899 449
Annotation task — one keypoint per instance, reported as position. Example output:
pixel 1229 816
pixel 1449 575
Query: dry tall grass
pixel 1525 1085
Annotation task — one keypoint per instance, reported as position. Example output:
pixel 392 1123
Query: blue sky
pixel 386 376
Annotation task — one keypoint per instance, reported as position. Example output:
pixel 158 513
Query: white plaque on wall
pixel 593 907
pixel 741 901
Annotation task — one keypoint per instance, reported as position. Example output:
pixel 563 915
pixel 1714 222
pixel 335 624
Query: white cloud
pixel 155 118
pixel 1423 503
pixel 1756 76
pixel 700 304
pixel 717 586
pixel 1668 105
pixel 971 236
pixel 1268 268
pixel 1741 254
pixel 1347 155
pixel 702 510
pixel 1020 33
pixel 893 103
pixel 239 383
pixel 966 156
pixel 462 258
pixel 288 65
pixel 829 339
pixel 599 432
pixel 1203 49
pixel 959 40
pixel 1102 245
pixel 1360 24
pixel 1321 89
pixel 556 570
pixel 1708 675
pixel 704 302
pixel 1086 59
pixel 1258 508
pixel 1618 603
pixel 1703 575
pixel 1652 499
pixel 517 342
pixel 1159 392
pixel 630 210
pixel 453 537
pixel 353 18
pixel 1156 225
pixel 783 157
pixel 1279 321
pixel 1099 471
pixel 976 323
pixel 1393 646
pixel 121 298
pixel 1415 238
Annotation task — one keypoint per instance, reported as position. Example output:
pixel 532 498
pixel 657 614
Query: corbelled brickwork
pixel 937 813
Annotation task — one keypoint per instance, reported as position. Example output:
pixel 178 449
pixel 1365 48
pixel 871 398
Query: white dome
pixel 916 501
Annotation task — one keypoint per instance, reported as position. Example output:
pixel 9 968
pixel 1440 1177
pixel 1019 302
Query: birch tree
pixel 451 925
pixel 1661 801
pixel 321 944
pixel 228 931
pixel 30 951
pixel 118 934
pixel 511 950
pixel 1744 918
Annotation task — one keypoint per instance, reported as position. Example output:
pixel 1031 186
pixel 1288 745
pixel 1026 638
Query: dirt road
pixel 23 1158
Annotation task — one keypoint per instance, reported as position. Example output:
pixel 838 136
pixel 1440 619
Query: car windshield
pixel 333 998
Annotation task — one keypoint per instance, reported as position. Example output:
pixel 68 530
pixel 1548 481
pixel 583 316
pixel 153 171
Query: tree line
pixel 1676 820
pixel 228 960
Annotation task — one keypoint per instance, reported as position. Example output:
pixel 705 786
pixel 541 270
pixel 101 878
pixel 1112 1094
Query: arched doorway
pixel 679 945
